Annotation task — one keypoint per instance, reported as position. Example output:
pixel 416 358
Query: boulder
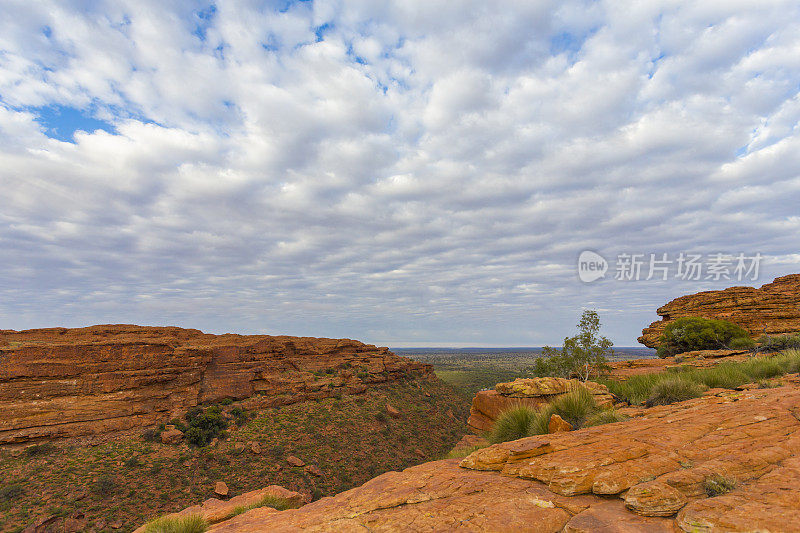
pixel 221 488
pixel 171 435
pixel 558 424
pixel 391 411
pixel 214 510
pixel 295 461
pixel 313 470
pixel 255 448
pixel 774 308
pixel 654 498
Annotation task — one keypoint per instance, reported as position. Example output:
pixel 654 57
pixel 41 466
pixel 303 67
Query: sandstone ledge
pixel 58 382
pixel 774 308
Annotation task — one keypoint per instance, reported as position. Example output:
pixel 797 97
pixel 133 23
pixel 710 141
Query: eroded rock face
pixel 69 382
pixel 751 437
pixel 774 308
pixel 531 392
pixel 630 476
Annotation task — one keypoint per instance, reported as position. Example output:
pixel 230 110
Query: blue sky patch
pixel 61 122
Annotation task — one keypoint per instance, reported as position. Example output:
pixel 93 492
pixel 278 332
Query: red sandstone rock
pixel 214 510
pixel 394 413
pixel 774 308
pixel 654 498
pixel 221 488
pixel 60 382
pixel 295 461
pixel 558 424
pixel 171 435
pixel 531 392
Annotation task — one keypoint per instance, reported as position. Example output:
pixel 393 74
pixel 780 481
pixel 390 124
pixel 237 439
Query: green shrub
pixel 177 524
pixel 574 407
pixel 39 449
pixel 204 425
pixel 104 485
pixel 779 343
pixel 10 492
pixel 581 355
pixel 514 423
pixel 717 485
pixel 606 416
pixel 674 390
pixel 693 333
pixel 133 462
pixel 150 435
pixel 742 343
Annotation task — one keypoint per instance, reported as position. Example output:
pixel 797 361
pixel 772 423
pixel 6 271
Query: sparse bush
pixel 717 485
pixel 574 407
pixel 779 343
pixel 10 492
pixel 204 425
pixel 514 423
pixel 380 416
pixel 150 435
pixel 674 390
pixel 581 355
pixel 39 449
pixel 693 333
pixel 133 462
pixel 226 401
pixel 177 524
pixel 606 416
pixel 104 485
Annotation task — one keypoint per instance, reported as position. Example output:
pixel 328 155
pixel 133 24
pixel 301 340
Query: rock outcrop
pixel 214 510
pixel 532 392
pixel 774 308
pixel 62 382
pixel 643 474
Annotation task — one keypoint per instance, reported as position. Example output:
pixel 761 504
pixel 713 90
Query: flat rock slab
pixel 440 496
pixel 665 456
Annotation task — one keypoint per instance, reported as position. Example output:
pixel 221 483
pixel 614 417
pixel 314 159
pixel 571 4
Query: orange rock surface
pixel 643 474
pixel 774 308
pixel 532 392
pixel 62 382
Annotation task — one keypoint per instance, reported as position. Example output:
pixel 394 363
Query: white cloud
pixel 424 171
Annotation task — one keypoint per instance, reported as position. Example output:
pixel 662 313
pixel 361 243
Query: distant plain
pixel 470 370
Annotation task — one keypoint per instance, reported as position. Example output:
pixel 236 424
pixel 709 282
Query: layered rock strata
pixel 62 382
pixel 773 309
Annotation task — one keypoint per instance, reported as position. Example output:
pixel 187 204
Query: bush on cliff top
pixel 693 333
pixel 582 355
pixel 578 407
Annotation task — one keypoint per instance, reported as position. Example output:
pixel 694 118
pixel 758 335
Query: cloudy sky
pixel 417 174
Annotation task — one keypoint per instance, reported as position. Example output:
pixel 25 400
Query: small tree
pixel 582 355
